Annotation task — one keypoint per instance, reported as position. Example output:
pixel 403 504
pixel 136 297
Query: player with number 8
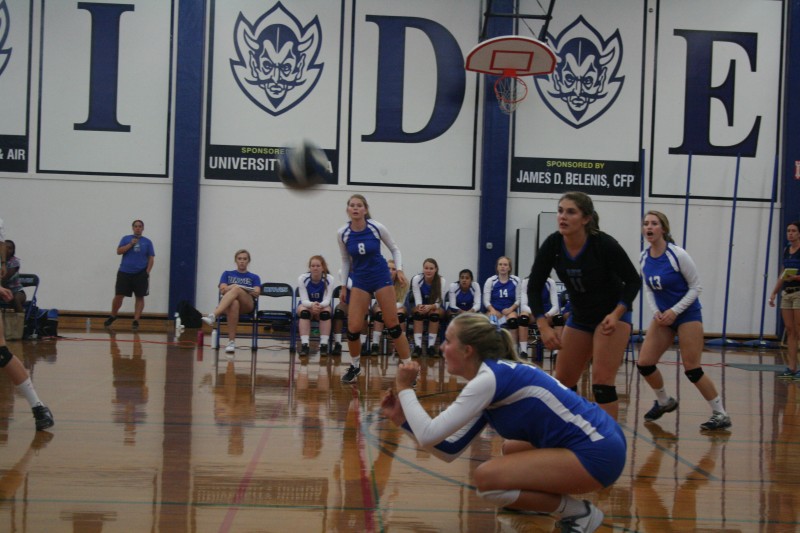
pixel 360 245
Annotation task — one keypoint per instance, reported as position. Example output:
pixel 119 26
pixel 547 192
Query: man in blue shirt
pixel 133 277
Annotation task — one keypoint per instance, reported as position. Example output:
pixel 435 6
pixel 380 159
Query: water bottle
pixel 88 325
pixel 178 322
pixel 214 338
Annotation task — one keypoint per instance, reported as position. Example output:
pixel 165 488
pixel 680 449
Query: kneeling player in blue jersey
pixel 557 442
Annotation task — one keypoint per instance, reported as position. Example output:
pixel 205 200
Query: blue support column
pixel 791 123
pixel 495 160
pixel 790 185
pixel 186 169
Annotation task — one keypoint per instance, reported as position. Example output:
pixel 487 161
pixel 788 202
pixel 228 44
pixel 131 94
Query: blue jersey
pixel 311 291
pixel 501 294
pixel 361 255
pixel 247 280
pixel 671 280
pixel 135 260
pixel 469 300
pixel 422 291
pixel 522 402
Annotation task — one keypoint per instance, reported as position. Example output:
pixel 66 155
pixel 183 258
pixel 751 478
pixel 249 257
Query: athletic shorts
pixel 589 328
pixel 790 300
pixel 687 316
pixel 372 281
pixel 604 459
pixel 129 284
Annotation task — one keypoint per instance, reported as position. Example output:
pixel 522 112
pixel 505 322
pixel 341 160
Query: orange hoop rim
pixel 510 97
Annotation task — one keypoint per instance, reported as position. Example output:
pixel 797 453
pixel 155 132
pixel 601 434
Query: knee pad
pixel 646 370
pixel 524 321
pixel 5 356
pixel 339 314
pixel 512 323
pixel 418 316
pixel 402 317
pixel 433 318
pixel 305 314
pixel 325 315
pixel 379 317
pixel 395 331
pixel 604 393
pixel 353 336
pixel 500 498
pixel 695 374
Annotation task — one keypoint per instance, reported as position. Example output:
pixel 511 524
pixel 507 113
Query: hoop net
pixel 510 90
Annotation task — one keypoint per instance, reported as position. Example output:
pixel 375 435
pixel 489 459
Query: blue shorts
pixel 589 328
pixel 604 459
pixel 372 281
pixel 687 316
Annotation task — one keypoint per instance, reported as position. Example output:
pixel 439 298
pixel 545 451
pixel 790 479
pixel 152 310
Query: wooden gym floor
pixel 157 434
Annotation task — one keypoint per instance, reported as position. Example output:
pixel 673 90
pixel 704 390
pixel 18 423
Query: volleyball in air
pixel 303 165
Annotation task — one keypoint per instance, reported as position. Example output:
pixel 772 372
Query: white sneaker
pixel 583 523
pixel 210 319
pixel 231 347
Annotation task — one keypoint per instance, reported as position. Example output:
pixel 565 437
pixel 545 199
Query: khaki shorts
pixel 790 300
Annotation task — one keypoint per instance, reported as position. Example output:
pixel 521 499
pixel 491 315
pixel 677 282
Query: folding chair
pixel 244 318
pixel 279 320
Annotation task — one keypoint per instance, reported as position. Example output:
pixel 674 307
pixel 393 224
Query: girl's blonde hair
pixel 488 340
pixel 242 251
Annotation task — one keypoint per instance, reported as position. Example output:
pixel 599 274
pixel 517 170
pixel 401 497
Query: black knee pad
pixel 512 323
pixel 604 393
pixel 339 314
pixel 433 318
pixel 402 317
pixel 646 370
pixel 524 321
pixel 353 336
pixel 5 356
pixel 395 331
pixel 418 316
pixel 325 315
pixel 305 314
pixel 695 374
pixel 379 317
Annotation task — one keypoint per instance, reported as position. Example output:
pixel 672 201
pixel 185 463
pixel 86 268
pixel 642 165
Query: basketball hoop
pixel 510 90
pixel 510 57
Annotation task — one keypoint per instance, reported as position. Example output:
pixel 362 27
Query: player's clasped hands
pixel 406 375
pixel 666 318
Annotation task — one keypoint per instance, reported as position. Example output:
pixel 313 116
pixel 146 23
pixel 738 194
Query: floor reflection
pixel 270 441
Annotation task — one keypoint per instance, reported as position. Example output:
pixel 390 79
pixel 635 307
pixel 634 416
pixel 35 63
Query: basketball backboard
pixel 511 54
